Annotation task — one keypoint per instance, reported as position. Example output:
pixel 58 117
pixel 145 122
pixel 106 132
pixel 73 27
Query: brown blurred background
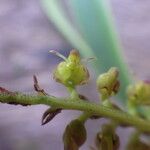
pixel 26 36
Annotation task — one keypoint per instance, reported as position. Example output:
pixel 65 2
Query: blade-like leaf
pixel 95 21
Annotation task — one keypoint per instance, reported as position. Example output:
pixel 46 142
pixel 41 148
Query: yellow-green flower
pixel 139 93
pixel 71 72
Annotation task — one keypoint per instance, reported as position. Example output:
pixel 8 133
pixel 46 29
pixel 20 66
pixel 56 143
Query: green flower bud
pixel 107 139
pixel 71 72
pixel 74 135
pixel 139 93
pixel 108 84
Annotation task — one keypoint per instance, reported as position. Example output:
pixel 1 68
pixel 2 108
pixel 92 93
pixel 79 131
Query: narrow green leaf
pixel 58 17
pixel 96 23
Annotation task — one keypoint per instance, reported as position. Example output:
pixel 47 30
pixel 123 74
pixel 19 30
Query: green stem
pixel 107 103
pixel 84 117
pixel 81 105
pixel 132 108
pixel 73 93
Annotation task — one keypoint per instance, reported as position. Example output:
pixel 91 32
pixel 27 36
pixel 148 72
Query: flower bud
pixel 139 93
pixel 107 138
pixel 74 135
pixel 71 72
pixel 108 84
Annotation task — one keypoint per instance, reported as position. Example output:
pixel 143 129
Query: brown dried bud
pixel 49 114
pixel 74 135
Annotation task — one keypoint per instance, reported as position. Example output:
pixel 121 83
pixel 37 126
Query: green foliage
pixel 97 36
pixel 75 133
pixel 93 34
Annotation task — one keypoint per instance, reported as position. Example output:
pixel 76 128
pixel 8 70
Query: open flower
pixel 71 72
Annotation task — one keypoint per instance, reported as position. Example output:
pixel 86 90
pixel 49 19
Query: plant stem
pixel 84 117
pixel 65 103
pixel 73 93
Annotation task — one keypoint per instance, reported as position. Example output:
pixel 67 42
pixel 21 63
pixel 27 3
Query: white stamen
pixel 58 54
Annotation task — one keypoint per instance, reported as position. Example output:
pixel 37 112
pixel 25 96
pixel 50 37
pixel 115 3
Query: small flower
pixel 71 72
pixel 139 93
pixel 74 135
pixel 108 84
